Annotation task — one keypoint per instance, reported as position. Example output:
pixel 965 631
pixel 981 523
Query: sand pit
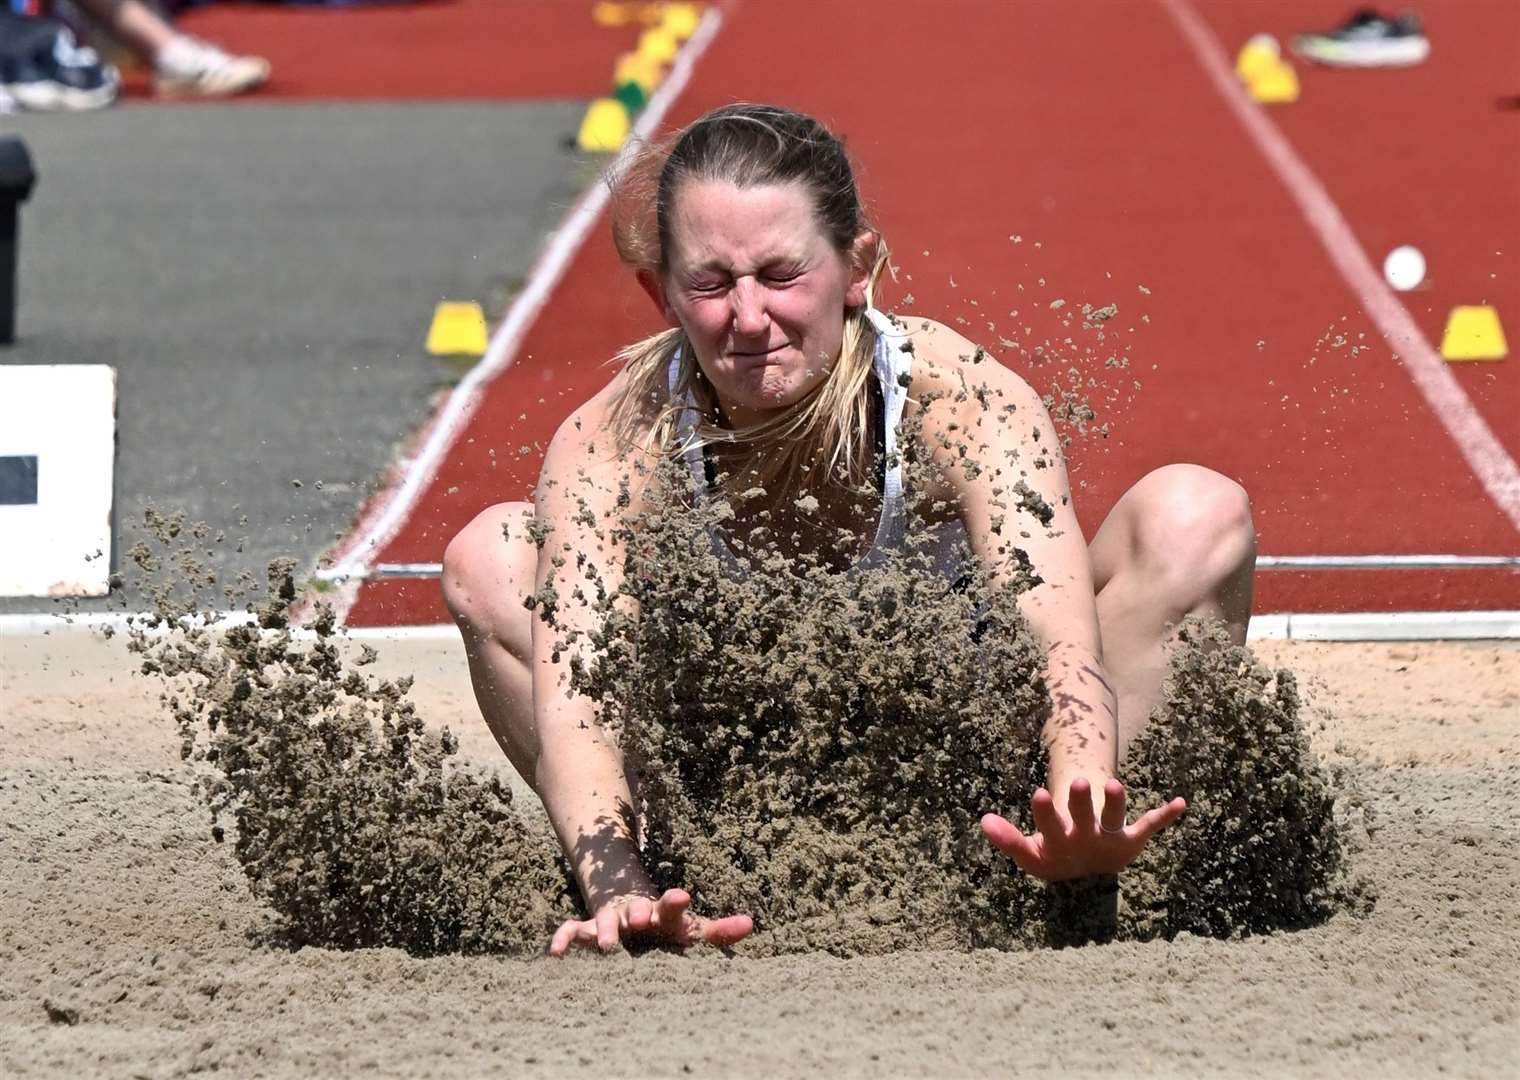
pixel 131 944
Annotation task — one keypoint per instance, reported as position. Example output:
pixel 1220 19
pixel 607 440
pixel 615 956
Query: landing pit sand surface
pixel 130 945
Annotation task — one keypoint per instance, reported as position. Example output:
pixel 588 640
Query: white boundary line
pixel 389 508
pixel 1388 626
pixel 1386 562
pixel 1491 463
pixel 1347 626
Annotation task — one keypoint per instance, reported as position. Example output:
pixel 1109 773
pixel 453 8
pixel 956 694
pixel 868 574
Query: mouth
pixel 756 354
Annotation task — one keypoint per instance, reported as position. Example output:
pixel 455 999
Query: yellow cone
pixel 1473 333
pixel 612 14
pixel 659 45
pixel 681 20
pixel 604 126
pixel 1256 56
pixel 459 329
pixel 1275 85
pixel 637 68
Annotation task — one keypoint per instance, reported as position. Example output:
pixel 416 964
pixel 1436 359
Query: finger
pixel 725 931
pixel 669 915
pixel 608 920
pixel 640 915
pixel 1151 822
pixel 1047 820
pixel 1079 805
pixel 1113 806
pixel 1006 837
pixel 564 936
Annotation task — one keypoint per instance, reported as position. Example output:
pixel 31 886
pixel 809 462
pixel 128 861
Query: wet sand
pixel 130 944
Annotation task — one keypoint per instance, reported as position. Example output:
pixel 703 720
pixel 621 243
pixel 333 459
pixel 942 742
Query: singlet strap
pixel 893 361
pixel 701 469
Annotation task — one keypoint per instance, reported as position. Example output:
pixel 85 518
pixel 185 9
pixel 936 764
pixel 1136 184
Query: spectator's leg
pixel 134 24
pixel 185 67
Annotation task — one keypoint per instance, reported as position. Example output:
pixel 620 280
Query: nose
pixel 750 317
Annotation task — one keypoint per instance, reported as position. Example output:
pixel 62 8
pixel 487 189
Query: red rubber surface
pixel 1385 590
pixel 1091 129
pixel 1429 156
pixel 436 49
pixel 399 602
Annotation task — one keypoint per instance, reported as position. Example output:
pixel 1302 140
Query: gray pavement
pixel 262 277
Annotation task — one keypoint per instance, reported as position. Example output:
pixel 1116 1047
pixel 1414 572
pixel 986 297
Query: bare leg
pixel 134 24
pixel 183 66
pixel 486 577
pixel 1180 542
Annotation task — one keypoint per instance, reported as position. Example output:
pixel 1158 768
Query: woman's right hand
pixel 664 919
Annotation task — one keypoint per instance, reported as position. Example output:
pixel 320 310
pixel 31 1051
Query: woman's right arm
pixel 580 772
pixel 580 768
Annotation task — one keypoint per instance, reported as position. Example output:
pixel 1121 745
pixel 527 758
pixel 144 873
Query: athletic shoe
pixel 63 78
pixel 1367 39
pixel 189 67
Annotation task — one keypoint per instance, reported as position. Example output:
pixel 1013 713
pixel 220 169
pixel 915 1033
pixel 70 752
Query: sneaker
pixel 189 67
pixel 62 78
pixel 1367 39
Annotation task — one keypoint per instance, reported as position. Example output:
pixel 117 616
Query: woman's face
pixel 760 291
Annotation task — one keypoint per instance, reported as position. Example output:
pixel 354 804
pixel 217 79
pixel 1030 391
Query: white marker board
pixel 57 461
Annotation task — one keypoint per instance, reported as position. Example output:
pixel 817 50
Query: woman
pixel 750 239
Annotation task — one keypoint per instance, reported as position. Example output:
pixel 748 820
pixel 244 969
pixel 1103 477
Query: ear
pixel 654 288
pixel 862 261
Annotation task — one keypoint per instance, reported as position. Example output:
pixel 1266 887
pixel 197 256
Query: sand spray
pixel 814 736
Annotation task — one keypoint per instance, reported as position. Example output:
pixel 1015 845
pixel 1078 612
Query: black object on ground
pixel 17 178
pixel 18 480
pixel 1367 39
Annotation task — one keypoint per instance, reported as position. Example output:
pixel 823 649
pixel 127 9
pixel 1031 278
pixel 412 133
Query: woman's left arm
pixel 1016 495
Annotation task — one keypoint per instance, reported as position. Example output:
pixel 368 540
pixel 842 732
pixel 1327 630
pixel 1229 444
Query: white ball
pixel 1404 268
pixel 1264 42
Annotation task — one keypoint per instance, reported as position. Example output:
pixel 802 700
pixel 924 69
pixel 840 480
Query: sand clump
pixel 803 758
pixel 815 748
pixel 1269 832
pixel 346 813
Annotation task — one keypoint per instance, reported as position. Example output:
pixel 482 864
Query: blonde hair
pixel 823 439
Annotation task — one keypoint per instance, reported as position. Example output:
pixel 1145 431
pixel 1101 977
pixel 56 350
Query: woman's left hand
pixel 1078 843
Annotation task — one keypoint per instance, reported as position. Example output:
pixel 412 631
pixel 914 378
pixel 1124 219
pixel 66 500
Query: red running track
pixel 1089 130
pixel 428 50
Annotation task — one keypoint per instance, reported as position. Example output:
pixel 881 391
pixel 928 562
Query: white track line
pixel 389 509
pixel 1345 626
pixel 1492 464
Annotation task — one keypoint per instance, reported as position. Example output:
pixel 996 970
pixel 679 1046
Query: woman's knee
pixel 488 569
pixel 1193 525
